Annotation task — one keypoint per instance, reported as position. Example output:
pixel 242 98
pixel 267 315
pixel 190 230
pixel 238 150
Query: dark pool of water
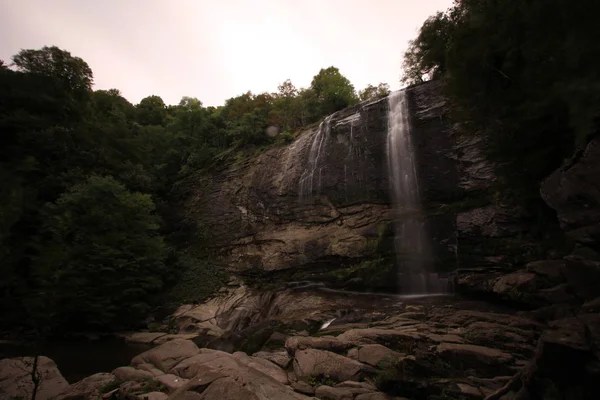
pixel 78 358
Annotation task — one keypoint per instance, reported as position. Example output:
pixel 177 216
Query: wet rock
pixel 549 269
pixel 15 378
pixel 169 337
pixel 584 278
pixel 330 344
pixel 373 354
pixel 313 362
pixel 229 389
pixel 87 388
pixel 166 356
pixel 132 374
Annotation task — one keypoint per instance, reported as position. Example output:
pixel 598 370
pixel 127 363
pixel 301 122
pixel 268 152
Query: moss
pixel 110 386
pixel 198 280
pixel 319 380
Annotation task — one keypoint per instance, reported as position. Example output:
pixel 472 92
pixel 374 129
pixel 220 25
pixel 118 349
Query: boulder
pixel 87 388
pixel 471 356
pixel 167 355
pixel 322 343
pixel 303 387
pixel 311 362
pixel 334 393
pixel 132 374
pixel 592 306
pixel 215 359
pixel 142 337
pixel 373 354
pixel 264 366
pixel 393 338
pixel 153 396
pixel 172 382
pixel 15 378
pixel 377 396
pixel 280 358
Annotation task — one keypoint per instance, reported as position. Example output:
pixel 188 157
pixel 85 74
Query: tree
pixel 522 73
pixel 74 73
pixel 374 92
pixel 152 111
pixel 100 256
pixel 332 90
pixel 110 105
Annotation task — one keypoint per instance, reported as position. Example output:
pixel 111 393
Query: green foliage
pixel 284 138
pixel 524 73
pixel 320 380
pixel 374 92
pixel 100 256
pixel 152 111
pixel 332 91
pixel 196 280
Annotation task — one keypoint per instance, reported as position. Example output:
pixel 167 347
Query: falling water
pixel 411 243
pixel 310 180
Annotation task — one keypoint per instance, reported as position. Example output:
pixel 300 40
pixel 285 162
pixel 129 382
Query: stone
pixel 592 306
pixel 373 354
pixel 573 191
pixel 15 378
pixel 281 358
pixel 330 344
pixel 229 389
pixel 169 337
pixel 584 278
pixel 550 269
pixel 389 337
pixel 303 387
pixel 311 362
pixel 520 281
pixel 215 359
pixel 87 388
pixel 377 396
pixel 264 366
pixel 132 374
pixel 153 396
pixel 149 368
pixel 473 356
pixel 142 337
pixel 167 355
pixel 334 393
pixel 172 382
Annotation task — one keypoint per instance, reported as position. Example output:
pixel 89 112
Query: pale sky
pixel 217 49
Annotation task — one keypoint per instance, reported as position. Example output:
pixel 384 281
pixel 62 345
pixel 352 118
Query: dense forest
pixel 91 236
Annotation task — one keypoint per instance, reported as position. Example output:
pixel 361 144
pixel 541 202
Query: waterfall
pixel 310 180
pixel 413 253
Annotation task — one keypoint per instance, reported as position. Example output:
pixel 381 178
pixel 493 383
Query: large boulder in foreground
pixel 167 355
pixel 311 362
pixel 16 382
pixel 87 388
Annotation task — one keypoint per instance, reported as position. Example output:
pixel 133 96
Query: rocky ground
pixel 300 343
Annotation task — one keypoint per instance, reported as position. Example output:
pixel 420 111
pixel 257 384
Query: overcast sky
pixel 217 49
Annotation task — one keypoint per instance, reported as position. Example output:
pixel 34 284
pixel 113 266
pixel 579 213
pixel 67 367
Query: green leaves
pixel 99 249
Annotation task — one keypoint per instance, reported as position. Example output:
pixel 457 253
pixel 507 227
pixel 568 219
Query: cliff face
pixel 326 197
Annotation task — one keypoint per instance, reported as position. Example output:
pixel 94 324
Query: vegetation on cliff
pixel 523 72
pixel 90 229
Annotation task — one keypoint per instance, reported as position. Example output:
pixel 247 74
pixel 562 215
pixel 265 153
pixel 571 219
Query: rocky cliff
pixel 324 199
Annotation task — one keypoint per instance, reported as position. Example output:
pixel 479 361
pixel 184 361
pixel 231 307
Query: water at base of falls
pixel 413 253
